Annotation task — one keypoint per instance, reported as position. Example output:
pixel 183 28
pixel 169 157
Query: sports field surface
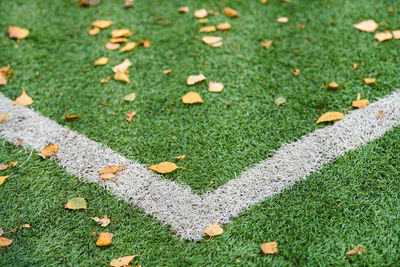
pixel 354 200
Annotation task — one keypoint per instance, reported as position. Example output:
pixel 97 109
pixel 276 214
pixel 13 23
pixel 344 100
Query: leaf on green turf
pixel 229 12
pixel 269 248
pixel 367 26
pixel 104 239
pixel 193 79
pixel 76 203
pixel 266 44
pixel 330 116
pixel 2 179
pixel 357 250
pixel 3 167
pixel 49 151
pixel 280 100
pixel 128 47
pixel 131 97
pixel 164 167
pixel 200 13
pixel 362 103
pixel 4 71
pixel 15 32
pixel 4 242
pixel 123 261
pixel 215 87
pixel 102 24
pixel 369 80
pixel 103 222
pixel 23 100
pixel 295 72
pixel 110 169
pixel 383 36
pixel 94 31
pixel 130 115
pixel 89 2
pixel 120 33
pixel 213 230
pixel 192 98
pixel 101 61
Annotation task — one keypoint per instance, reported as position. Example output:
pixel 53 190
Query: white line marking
pixel 176 205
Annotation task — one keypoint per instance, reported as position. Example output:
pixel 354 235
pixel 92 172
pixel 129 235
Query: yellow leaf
pixel 112 46
pixel 164 167
pixel 128 3
pixel 295 72
pixel 208 29
pixel 223 26
pixel 3 167
pixel 16 32
pixel 282 20
pixel 193 79
pixel 120 33
pixel 181 157
pixel 367 26
pixel 4 71
pixel 396 34
pixel 101 61
pixel 360 103
pixel 369 80
pixel 269 248
pixel 330 116
pixel 123 261
pixel 119 40
pixel 383 36
pixel 122 76
pixel 145 43
pixel 263 1
pixel 94 31
pixel 107 176
pixel 2 179
pixel 357 250
pixel 77 203
pixel 26 225
pixel 202 21
pixel 333 85
pixel 123 67
pixel 213 230
pixel 212 41
pixel 201 13
pixel 4 242
pixel 192 98
pixel 266 43
pixel 102 24
pixel 104 239
pixel 131 97
pixel 24 99
pixel 168 71
pixel 215 87
pixel 49 150
pixel 231 12
pixel 105 80
pixel 3 116
pixel 128 47
pixel 70 117
pixel 103 222
pixel 110 169
pixel 183 9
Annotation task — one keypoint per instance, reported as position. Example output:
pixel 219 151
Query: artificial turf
pixel 352 201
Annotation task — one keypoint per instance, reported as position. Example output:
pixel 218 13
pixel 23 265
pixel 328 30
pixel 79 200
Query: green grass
pixel 354 200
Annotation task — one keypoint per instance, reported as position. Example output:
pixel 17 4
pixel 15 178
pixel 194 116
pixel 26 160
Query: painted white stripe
pixel 176 205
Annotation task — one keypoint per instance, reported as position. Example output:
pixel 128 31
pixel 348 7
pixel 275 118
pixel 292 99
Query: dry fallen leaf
pixel 263 1
pixel 367 26
pixel 122 67
pixel 123 261
pixel 104 239
pixel 355 66
pixel 2 179
pixel 128 3
pixel 282 20
pixel 94 31
pixel 330 116
pixel 3 116
pixel 181 157
pixel 49 150
pixel 360 103
pixel 192 98
pixel 103 222
pixel 396 34
pixel 269 248
pixel 295 72
pixel 130 98
pixel 213 230
pixel 128 47
pixel 122 77
pixel 112 46
pixel 119 40
pixel 202 21
pixel 266 43
pixel 26 225
pixel 3 167
pixel 101 61
pixel 224 26
pixel 131 114
pixel 164 167
pixel 145 43
pixel 107 176
pixel 201 13
pixel 77 203
pixel 102 24
pixel 212 40
pixel 357 250
pixel 215 87
pixel 110 169
pixel 183 9
pixel 23 100
pixel 208 29
pixel 120 33
pixel 168 71
pixel 231 12
pixel 4 71
pixel 369 80
pixel 333 85
pixel 381 114
pixel 383 36
pixel 4 242
pixel 89 2
pixel 280 100
pixel 16 32
pixel 193 79
pixel 12 164
pixel 106 80
pixel 70 117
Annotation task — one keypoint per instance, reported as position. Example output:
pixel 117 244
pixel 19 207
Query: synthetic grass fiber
pixel 355 200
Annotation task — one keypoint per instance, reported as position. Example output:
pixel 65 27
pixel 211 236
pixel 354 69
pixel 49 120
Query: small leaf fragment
pixel 362 103
pixel 193 79
pixel 94 31
pixel 282 20
pixel 4 71
pixel 119 40
pixel 123 261
pixel 4 242
pixel 215 87
pixel 224 26
pixel 102 24
pixel 49 151
pixel 128 3
pixel 70 117
pixel 333 85
pixel 15 32
pixel 104 239
pixel 112 46
pixel 107 176
pixel 367 26
pixel 168 71
pixel 26 225
pixel 208 29
pixel 77 203
pixel 130 98
pixel 383 36
pixel 164 167
pixel 369 80
pixel 330 116
pixel 131 114
pixel 106 80
pixel 24 99
pixel 381 114
pixel 229 12
pixel 4 116
pixel 89 2
pixel 280 100
pixel 120 33
pixel 183 9
pixel 192 98
pixel 110 169
pixel 101 61
pixel 266 44
pixel 181 157
pixel 201 13
pixel 295 72
pixel 357 250
pixel 128 47
pixel 103 222
pixel 145 43
pixel 213 230
pixel 396 34
pixel 2 179
pixel 269 248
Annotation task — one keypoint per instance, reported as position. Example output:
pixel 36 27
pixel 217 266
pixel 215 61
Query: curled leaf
pixel 4 242
pixel 104 239
pixel 121 33
pixel 128 47
pixel 168 71
pixel 213 41
pixel 183 9
pixel 192 98
pixel 164 167
pixel 223 26
pixel 130 98
pixel 369 80
pixel 208 29
pixel 94 31
pixel 112 46
pixel 119 40
pixel 357 250
pixel 213 230
pixel 70 117
pixel 282 20
pixel 383 36
pixel 131 114
pixel 280 100
pixel 266 44
pixel 362 103
pixel 49 151
pixel 103 222
pixel 330 116
pixel 201 13
pixel 123 67
pixel 4 71
pixel 193 79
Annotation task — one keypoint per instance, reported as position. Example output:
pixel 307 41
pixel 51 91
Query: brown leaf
pixel 104 239
pixel 201 13
pixel 128 47
pixel 49 150
pixel 4 242
pixel 183 9
pixel 102 24
pixel 355 66
pixel 295 72
pixel 202 21
pixel 263 1
pixel 192 98
pixel 94 31
pixel 269 248
pixel 215 87
pixel 70 117
pixel 15 32
pixel 360 103
pixel 123 261
pixel 396 34
pixel 119 40
pixel 266 43
pixel 101 61
pixel 4 116
pixel 282 20
pixel 193 79
pixel 208 29
pixel 381 114
pixel 213 230
pixel 120 33
pixel 357 250
pixel 367 26
pixel 231 12
pixel 128 3
pixel 131 114
pixel 123 67
pixel 3 167
pixel 212 40
pixel 164 167
pixel 103 222
pixel 24 99
pixel 224 26
pixel 168 71
pixel 77 203
pixel 107 176
pixel 2 179
pixel 112 46
pixel 330 116
pixel 369 80
pixel 110 169
pixel 383 36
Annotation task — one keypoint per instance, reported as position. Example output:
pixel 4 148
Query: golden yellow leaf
pixel 77 203
pixel 102 24
pixel 3 116
pixel 192 98
pixel 282 20
pixel 110 169
pixel 89 2
pixel 23 100
pixel 224 26
pixel 367 26
pixel 266 43
pixel 94 31
pixel 181 157
pixel 396 34
pixel 357 250
pixel 122 67
pixel 122 77
pixel 4 242
pixel 145 43
pixel 360 103
pixel 103 222
pixel 16 32
pixel 295 72
pixel 213 230
pixel 4 71
pixel 105 80
pixel 70 117
pixel 215 87
pixel 183 9
pixel 212 40
pixel 12 164
pixel 330 116
pixel 123 261
pixel 119 40
pixel 107 176
pixel 128 3
pixel 120 33
pixel 383 36
pixel 104 239
pixel 231 12
pixel 193 79
pixel 369 80
pixel 128 47
pixel 208 29
pixel 202 21
pixel 201 13
pixel 26 225
pixel 355 66
pixel 263 1
pixel 2 179
pixel 101 61
pixel 131 97
pixel 333 85
pixel 49 150
pixel 164 167
pixel 168 71
pixel 269 248
pixel 112 46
